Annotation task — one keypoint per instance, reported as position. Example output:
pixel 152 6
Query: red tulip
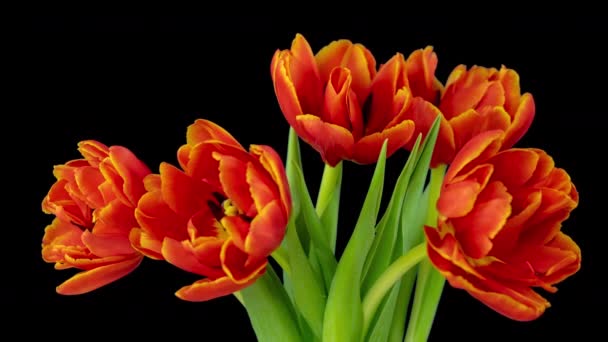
pixel 221 217
pixel 338 104
pixel 499 230
pixel 94 200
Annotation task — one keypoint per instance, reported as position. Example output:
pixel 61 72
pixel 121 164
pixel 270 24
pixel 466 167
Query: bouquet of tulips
pixel 467 206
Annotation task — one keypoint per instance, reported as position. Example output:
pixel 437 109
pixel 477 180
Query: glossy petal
pixel 458 199
pixel 157 219
pixel 390 78
pixel 93 151
pixel 285 89
pixel 521 122
pixel 146 244
pixel 58 236
pixel 514 167
pixel 183 194
pixel 105 246
pixel 421 66
pixel 180 254
pixel 476 150
pixel 464 90
pixel 304 74
pixel 240 267
pixel 272 163
pixel 367 150
pixel 132 172
pixel 233 176
pixel 333 142
pixel 93 279
pixel 206 289
pixel 340 101
pixel 423 113
pixel 477 229
pixel 266 231
pixel 473 122
pixel 205 130
pixel 114 219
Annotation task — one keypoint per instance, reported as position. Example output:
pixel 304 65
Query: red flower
pixel 221 217
pixel 94 200
pixel 337 103
pixel 474 101
pixel 499 230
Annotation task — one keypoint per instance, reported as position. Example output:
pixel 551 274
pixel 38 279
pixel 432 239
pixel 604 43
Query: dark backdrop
pixel 140 81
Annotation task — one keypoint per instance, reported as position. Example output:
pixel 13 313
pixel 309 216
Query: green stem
pixel 429 283
pixel 328 199
pixel 281 257
pixel 386 281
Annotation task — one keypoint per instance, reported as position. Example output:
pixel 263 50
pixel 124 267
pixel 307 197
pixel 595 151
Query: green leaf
pixel 319 243
pixel 384 317
pixel 269 309
pixel 381 252
pixel 328 202
pixel 307 288
pixel 344 313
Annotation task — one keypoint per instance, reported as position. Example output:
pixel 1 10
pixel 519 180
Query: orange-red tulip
pixel 221 217
pixel 474 101
pixel 499 230
pixel 94 201
pixel 339 104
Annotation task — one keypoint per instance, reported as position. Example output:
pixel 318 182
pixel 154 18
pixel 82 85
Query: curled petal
pixel 266 231
pixel 181 254
pixel 514 167
pixel 105 246
pixel 473 122
pixel 146 244
pixel 95 278
pixel 205 130
pixel 240 267
pixel 521 122
pixel 206 289
pixel 284 88
pixel 185 195
pixel 458 199
pixel 58 236
pixel 114 219
pixel 558 260
pixel 272 163
pixel 464 90
pixel 421 66
pixel 477 150
pixel 132 172
pixel 233 176
pixel 367 150
pixel 93 151
pixel 423 114
pixel 333 142
pixel 390 79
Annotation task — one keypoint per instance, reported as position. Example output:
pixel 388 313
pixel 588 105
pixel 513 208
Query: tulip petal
pixel 337 105
pixel 88 179
pixel 261 186
pixel 367 149
pixel 272 163
pixel 204 130
pixel 180 254
pixel 421 66
pixel 114 219
pixel 473 122
pixel 93 151
pixel 285 90
pixel 146 244
pixel 105 246
pixel 157 219
pixel 514 167
pixel 240 267
pixel 266 231
pixel 233 176
pixel 423 113
pixel 390 80
pixel 206 289
pixel 477 229
pixel 57 236
pixel 131 170
pixel 521 122
pixel 464 92
pixel 476 150
pixel 237 229
pixel 510 83
pixel 494 97
pixel 559 259
pixel 458 199
pixel 333 142
pixel 93 279
pixel 182 193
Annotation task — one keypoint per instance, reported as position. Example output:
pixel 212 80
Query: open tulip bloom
pixel 488 220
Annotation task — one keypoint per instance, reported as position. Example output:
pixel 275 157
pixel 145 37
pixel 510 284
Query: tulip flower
pixel 338 103
pixel 94 201
pixel 474 101
pixel 220 216
pixel 499 230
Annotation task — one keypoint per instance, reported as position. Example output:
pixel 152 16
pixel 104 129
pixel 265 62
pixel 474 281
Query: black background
pixel 140 81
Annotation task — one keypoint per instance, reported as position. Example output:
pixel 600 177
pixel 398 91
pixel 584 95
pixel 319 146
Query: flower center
pixel 230 209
